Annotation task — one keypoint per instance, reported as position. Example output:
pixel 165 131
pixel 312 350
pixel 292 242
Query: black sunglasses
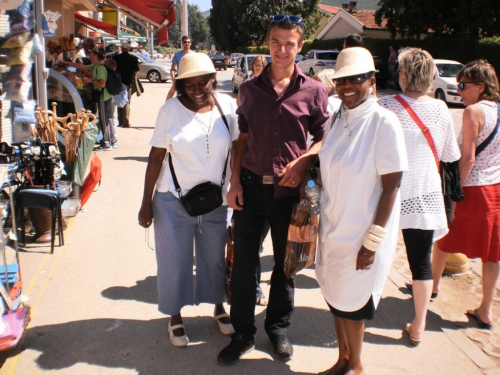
pixel 281 17
pixel 186 41
pixel 353 79
pixel 461 85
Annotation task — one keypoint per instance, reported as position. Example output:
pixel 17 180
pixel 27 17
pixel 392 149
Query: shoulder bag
pixel 204 197
pixel 449 172
pixel 488 140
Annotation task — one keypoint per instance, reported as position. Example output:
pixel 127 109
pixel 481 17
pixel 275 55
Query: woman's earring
pixel 370 90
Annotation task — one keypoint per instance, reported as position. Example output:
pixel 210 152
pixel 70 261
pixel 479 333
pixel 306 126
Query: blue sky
pixel 203 5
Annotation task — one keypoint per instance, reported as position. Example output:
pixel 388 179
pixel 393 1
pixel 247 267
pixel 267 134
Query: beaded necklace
pixel 206 128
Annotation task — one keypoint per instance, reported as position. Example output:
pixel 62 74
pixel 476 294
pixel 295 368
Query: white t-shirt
pixel 181 134
pixel 486 170
pixel 364 143
pixel 422 203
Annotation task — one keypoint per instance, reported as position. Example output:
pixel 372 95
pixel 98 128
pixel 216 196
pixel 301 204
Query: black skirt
pixel 367 312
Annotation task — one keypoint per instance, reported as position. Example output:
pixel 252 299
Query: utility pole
pixel 184 23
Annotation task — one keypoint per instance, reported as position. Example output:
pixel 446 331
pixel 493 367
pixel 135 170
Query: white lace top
pixel 422 204
pixel 486 170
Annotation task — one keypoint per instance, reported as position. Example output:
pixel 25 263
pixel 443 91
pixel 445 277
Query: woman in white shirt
pixel 362 161
pixel 192 130
pixel 475 230
pixel 423 216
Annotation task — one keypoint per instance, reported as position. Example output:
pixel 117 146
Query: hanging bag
pixel 204 197
pixel 449 172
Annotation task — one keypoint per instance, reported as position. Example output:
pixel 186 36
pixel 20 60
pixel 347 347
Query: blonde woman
pixel 475 230
pixel 325 77
pixel 257 65
pixel 423 216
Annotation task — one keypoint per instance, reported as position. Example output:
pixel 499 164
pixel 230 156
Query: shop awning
pixel 95 24
pixel 159 13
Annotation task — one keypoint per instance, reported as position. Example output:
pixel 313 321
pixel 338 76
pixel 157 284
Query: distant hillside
pixel 362 4
pixel 205 14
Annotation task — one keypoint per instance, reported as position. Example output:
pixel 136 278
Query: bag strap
pixel 425 129
pixel 488 140
pixel 223 180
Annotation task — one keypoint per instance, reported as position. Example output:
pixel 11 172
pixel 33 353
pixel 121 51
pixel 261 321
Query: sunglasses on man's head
pixel 461 85
pixel 361 78
pixel 297 20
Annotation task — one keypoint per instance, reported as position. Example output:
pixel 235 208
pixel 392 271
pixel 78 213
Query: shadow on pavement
pixel 143 345
pixel 144 291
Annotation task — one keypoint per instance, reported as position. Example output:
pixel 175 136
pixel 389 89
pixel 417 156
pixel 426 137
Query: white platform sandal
pixel 225 328
pixel 178 341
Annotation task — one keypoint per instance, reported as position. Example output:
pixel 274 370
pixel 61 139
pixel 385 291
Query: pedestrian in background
pixel 278 109
pixel 97 74
pixel 391 64
pixel 192 130
pixel 475 230
pixel 423 217
pixel 362 160
pixel 176 60
pixel 128 66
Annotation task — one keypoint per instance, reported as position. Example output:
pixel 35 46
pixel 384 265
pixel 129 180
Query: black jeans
pixel 259 205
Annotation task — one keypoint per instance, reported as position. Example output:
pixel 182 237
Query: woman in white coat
pixel 362 162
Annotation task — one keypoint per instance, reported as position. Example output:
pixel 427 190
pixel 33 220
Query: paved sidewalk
pixel 94 300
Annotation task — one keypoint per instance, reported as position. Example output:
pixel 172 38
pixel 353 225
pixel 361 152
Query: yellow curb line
pixel 39 297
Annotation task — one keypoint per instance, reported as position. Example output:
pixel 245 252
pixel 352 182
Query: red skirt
pixel 475 230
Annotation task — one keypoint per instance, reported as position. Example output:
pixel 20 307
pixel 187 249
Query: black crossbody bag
pixel 204 197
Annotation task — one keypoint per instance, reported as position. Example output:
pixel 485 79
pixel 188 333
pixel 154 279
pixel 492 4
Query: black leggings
pixel 418 244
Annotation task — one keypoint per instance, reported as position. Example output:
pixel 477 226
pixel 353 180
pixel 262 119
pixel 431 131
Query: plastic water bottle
pixel 312 192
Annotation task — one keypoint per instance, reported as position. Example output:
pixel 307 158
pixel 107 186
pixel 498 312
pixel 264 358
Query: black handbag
pixel 204 197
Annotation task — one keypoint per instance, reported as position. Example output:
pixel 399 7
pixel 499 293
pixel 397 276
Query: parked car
pixel 158 55
pixel 233 59
pixel 380 72
pixel 444 85
pixel 154 72
pixel 299 58
pixel 316 60
pixel 243 70
pixel 220 62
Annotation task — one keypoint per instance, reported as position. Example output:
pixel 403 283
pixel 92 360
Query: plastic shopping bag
pixel 302 238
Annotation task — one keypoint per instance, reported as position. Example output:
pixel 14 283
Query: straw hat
pixel 354 61
pixel 125 45
pixel 195 64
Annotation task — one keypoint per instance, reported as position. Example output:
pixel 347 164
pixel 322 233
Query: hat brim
pixel 195 74
pixel 349 71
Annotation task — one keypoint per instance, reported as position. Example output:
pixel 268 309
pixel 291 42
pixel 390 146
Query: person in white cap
pixel 197 129
pixel 128 66
pixel 362 160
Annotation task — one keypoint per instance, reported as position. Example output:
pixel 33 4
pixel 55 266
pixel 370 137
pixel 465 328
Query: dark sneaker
pixel 236 348
pixel 282 347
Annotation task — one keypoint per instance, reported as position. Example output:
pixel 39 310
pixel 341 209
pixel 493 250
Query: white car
pixel 158 55
pixel 233 59
pixel 316 60
pixel 444 85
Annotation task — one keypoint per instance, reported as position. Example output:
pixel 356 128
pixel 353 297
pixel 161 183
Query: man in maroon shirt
pixel 277 110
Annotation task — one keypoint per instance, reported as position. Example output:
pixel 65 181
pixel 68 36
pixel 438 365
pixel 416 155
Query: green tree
pixel 440 18
pixel 236 23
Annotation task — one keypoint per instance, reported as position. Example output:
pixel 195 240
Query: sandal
pixel 413 340
pixel 474 314
pixel 261 300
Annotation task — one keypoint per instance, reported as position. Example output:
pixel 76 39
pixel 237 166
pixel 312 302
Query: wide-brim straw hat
pixel 354 61
pixel 195 64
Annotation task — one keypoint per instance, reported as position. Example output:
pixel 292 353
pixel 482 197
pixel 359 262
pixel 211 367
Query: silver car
pixel 154 72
